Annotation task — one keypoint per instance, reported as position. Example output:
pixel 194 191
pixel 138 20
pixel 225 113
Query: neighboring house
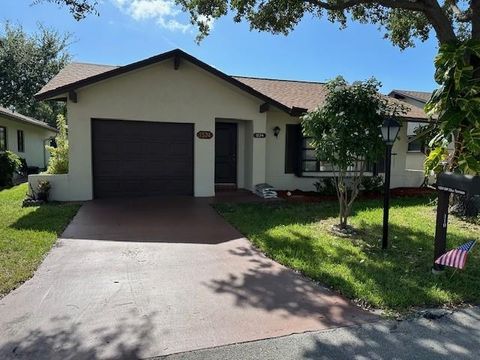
pixel 173 125
pixel 416 145
pixel 25 136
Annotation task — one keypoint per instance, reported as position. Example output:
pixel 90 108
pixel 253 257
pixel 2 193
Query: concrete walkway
pixel 147 277
pixel 455 336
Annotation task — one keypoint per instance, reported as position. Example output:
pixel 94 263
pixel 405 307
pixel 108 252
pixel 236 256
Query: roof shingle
pixel 422 96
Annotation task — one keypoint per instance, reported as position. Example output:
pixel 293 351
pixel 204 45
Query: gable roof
pixel 422 96
pixel 292 96
pixel 62 84
pixel 25 119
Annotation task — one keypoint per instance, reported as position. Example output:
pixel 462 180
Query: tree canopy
pixel 78 8
pixel 403 21
pixel 27 63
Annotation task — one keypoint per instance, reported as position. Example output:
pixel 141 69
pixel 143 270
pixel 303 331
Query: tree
pixel 345 134
pixel 78 8
pixel 27 63
pixel 456 103
pixel 58 162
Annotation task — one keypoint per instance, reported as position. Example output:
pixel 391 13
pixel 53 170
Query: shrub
pixel 372 183
pixel 325 186
pixel 58 163
pixel 9 163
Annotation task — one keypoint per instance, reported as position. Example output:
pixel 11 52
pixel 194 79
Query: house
pixel 172 124
pixel 416 145
pixel 25 136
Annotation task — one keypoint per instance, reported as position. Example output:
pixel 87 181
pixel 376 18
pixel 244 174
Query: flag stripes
pixel 456 258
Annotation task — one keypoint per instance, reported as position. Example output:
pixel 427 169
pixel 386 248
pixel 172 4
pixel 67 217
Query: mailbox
pixel 450 183
pixel 459 184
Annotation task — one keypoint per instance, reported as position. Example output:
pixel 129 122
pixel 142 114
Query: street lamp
pixel 390 129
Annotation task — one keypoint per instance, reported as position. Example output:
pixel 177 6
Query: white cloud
pixel 164 12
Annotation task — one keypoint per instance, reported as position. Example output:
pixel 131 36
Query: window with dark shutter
pixel 3 138
pixel 20 141
pixel 293 149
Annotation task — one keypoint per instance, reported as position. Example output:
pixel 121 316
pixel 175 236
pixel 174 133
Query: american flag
pixel 457 257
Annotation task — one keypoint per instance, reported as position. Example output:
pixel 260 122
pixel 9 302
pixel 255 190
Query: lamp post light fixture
pixel 389 129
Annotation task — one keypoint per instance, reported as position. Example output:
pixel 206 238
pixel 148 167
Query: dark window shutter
pixel 293 149
pixel 379 166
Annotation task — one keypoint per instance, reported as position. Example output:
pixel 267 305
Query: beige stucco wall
pixel 34 139
pixel 160 93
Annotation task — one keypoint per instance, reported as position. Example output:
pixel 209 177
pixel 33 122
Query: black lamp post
pixel 390 129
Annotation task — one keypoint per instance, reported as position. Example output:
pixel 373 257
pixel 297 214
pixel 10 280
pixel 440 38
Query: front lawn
pixel 26 235
pixel 297 235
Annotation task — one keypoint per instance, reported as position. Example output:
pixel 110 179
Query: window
pixel 3 138
pixel 310 163
pixel 20 141
pixel 416 145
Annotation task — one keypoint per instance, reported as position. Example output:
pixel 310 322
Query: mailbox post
pixel 449 183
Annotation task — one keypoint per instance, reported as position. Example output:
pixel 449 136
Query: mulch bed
pixel 312 196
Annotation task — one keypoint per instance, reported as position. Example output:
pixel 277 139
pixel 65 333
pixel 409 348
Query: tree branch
pixel 430 8
pixel 475 12
pixel 461 16
pixel 415 5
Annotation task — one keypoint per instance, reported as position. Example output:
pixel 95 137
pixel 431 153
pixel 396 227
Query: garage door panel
pixel 134 158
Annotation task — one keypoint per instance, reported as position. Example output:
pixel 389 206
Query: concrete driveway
pixel 146 277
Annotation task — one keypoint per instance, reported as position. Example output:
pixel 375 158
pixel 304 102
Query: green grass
pixel 26 235
pixel 298 236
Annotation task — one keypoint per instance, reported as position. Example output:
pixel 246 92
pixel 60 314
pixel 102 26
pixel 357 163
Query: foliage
pixel 26 235
pixel 9 163
pixel 58 162
pixel 43 190
pixel 345 133
pixel 325 186
pixel 27 63
pixel 78 8
pixel 457 103
pixel 372 183
pixel 403 21
pixel 298 236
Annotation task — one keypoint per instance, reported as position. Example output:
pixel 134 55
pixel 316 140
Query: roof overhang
pixel 27 120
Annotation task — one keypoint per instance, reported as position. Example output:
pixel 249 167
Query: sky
pixel 130 30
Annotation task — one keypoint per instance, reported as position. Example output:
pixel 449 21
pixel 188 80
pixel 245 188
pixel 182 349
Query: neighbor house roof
pixel 422 96
pixel 291 96
pixel 25 119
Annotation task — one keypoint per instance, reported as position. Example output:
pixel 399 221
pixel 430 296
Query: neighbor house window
pixel 416 145
pixel 20 141
pixel 3 138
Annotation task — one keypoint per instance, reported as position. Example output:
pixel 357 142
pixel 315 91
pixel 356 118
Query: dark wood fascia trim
pixel 72 96
pixel 297 111
pixel 176 61
pixel 264 107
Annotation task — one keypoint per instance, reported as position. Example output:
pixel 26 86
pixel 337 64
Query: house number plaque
pixel 204 134
pixel 259 135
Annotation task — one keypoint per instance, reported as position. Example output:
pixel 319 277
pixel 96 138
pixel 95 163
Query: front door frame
pixel 232 125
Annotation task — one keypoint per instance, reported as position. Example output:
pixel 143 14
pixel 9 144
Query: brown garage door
pixel 137 158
